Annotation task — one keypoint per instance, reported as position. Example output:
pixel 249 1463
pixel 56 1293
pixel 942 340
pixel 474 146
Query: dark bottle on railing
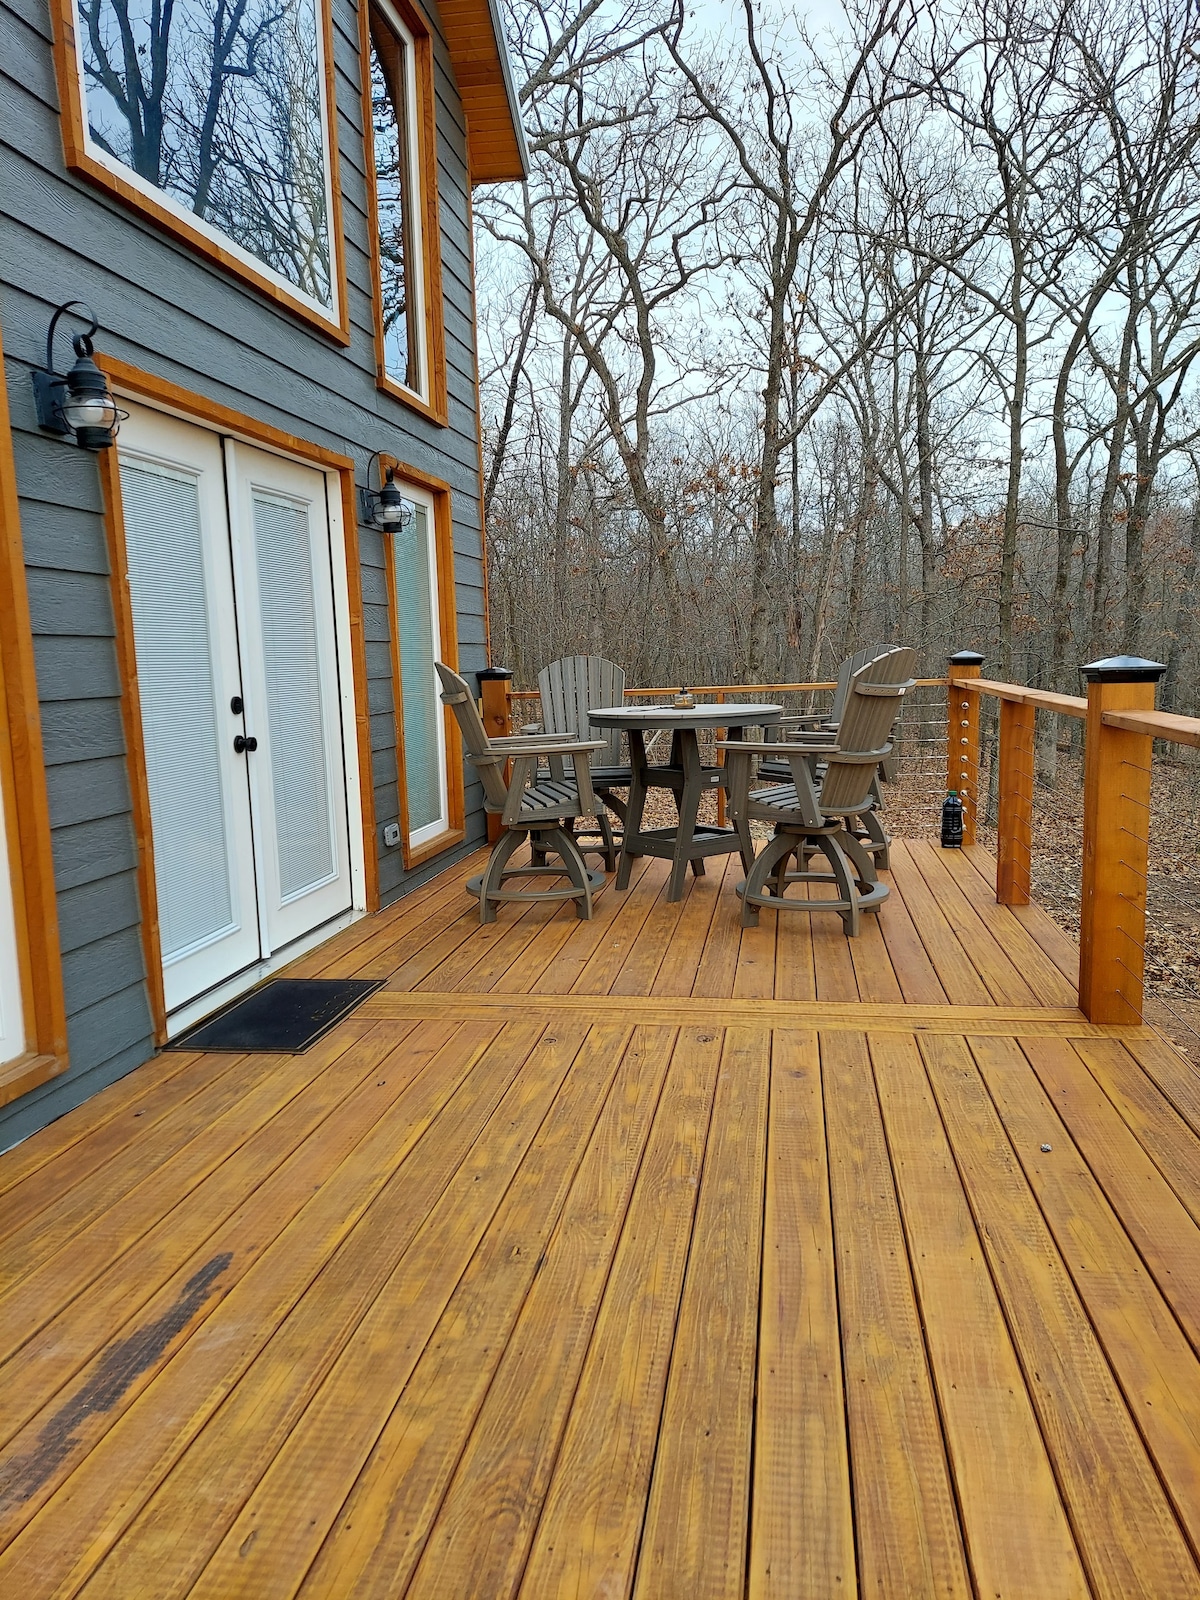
pixel 952 821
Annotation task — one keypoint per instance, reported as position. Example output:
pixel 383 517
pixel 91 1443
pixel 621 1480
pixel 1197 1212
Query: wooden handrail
pixel 1159 724
pixel 718 689
pixel 1066 705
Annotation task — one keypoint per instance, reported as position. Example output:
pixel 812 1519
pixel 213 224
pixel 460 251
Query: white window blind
pixel 172 634
pixel 299 765
pixel 417 607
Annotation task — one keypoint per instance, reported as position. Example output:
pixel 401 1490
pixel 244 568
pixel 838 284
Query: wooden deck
pixel 642 1256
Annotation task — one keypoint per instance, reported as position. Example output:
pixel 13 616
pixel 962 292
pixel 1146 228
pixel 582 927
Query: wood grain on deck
pixel 642 1257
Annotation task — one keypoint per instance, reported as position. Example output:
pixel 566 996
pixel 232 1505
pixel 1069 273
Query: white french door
pixel 234 632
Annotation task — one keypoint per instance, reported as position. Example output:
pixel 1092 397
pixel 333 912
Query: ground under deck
pixel 641 1256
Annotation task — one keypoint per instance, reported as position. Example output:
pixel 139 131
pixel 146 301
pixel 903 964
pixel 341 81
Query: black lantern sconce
pixel 383 507
pixel 79 405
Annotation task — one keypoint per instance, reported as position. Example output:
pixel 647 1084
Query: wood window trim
pixel 23 794
pixel 80 160
pixel 443 542
pixel 436 407
pixel 139 385
pixel 483 541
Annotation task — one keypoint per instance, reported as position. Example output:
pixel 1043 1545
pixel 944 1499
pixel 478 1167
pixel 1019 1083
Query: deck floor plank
pixel 956 973
pixel 1015 1528
pixel 795 970
pixel 906 1522
pixel 704 900
pixel 1048 983
pixel 512 1448
pixel 255 1269
pixel 372 1536
pixel 915 972
pixel 167 1544
pixel 587 1539
pixel 585 938
pixel 988 955
pixel 72 1315
pixel 802 1536
pixel 1154 1215
pixel 1124 1525
pixel 644 1256
pixel 272 1543
pixel 1154 1122
pixel 1147 1349
pixel 87 1130
pixel 695 1534
pixel 41 1214
pixel 1176 1078
pixel 873 969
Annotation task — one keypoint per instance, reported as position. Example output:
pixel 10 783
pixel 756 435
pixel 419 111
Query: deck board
pixel 646 1256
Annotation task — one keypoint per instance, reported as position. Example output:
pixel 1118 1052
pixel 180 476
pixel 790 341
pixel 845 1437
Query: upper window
pixel 402 159
pixel 216 111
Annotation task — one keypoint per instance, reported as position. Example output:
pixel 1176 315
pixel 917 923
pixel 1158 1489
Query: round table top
pixel 707 716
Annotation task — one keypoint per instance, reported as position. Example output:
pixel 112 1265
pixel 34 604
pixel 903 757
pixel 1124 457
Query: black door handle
pixel 241 744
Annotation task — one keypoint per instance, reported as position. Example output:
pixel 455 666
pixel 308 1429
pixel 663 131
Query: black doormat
pixel 284 1017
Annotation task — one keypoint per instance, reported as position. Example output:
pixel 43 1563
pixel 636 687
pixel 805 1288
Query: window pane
pixel 392 120
pixel 219 105
pixel 416 597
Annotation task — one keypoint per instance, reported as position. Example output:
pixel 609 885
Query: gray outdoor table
pixel 687 777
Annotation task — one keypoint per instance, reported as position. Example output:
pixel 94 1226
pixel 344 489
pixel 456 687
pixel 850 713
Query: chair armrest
pixel 780 748
pixel 794 719
pixel 557 744
pixel 543 744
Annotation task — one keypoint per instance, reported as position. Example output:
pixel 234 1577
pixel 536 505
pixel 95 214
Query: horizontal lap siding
pixel 163 308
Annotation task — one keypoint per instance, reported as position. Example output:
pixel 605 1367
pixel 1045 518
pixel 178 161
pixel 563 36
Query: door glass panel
pixel 417 616
pixel 172 634
pixel 291 660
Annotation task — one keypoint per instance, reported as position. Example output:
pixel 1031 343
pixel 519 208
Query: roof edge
pixel 510 88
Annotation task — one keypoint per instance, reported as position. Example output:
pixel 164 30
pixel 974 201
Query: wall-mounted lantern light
pixel 81 403
pixel 383 507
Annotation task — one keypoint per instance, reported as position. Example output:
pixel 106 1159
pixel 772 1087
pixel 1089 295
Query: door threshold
pixel 193 1011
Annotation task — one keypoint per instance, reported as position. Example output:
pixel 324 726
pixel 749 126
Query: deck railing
pixel 1121 725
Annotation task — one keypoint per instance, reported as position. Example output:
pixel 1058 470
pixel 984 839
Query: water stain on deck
pixel 120 1366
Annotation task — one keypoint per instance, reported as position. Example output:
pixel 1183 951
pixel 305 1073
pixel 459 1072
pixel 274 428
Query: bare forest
pixel 815 328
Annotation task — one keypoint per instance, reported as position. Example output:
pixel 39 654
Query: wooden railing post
pixel 1014 824
pixel 1116 832
pixel 962 735
pixel 497 719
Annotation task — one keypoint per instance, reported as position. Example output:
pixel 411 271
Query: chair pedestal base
pixel 489 888
pixel 852 872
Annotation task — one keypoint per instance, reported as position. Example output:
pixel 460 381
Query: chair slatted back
pixel 575 685
pixel 846 671
pixel 457 695
pixel 872 704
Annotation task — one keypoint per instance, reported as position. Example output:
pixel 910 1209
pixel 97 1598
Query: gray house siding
pixel 169 311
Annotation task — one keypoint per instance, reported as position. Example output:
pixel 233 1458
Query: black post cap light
pixel 383 507
pixel 1123 669
pixel 79 405
pixel 966 658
